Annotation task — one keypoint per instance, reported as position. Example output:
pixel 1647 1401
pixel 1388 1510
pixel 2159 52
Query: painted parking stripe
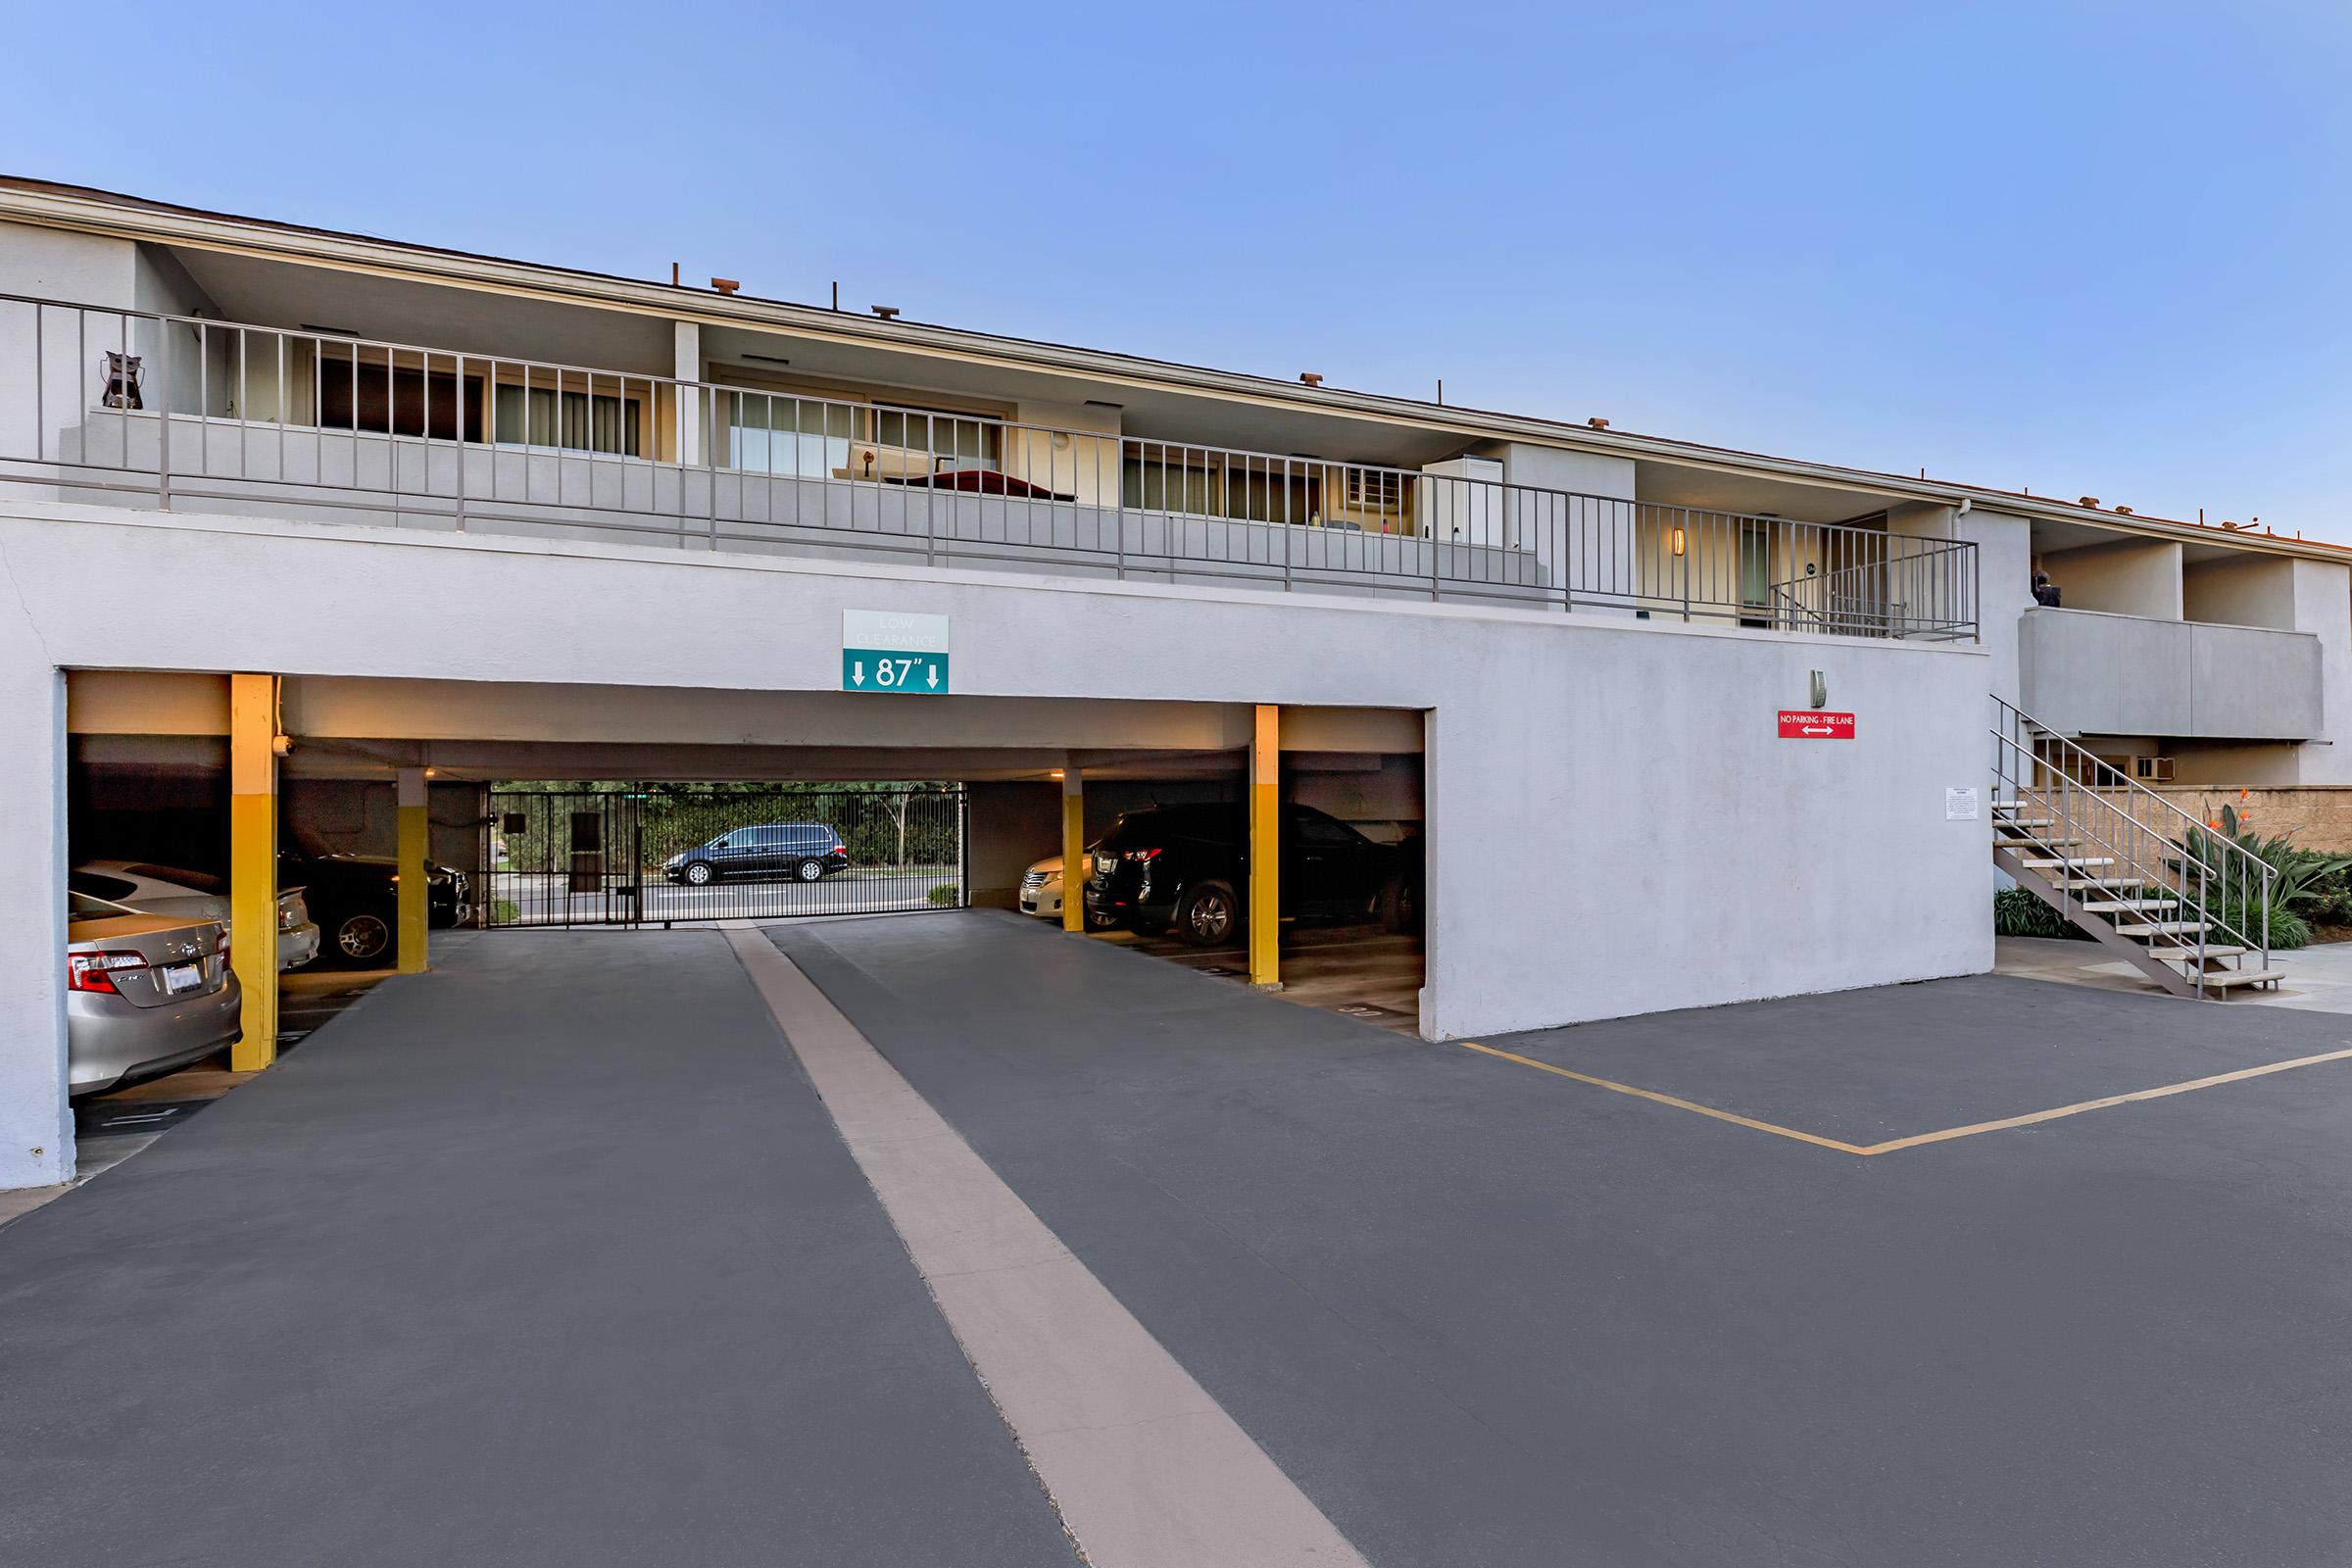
pixel 1916 1140
pixel 1147 1470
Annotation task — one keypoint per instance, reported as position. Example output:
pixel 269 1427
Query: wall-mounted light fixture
pixel 1679 541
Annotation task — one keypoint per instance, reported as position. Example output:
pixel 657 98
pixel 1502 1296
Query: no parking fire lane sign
pixel 1804 724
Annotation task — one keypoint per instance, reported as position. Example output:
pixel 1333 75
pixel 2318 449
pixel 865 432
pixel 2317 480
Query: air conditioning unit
pixel 2152 770
pixel 1463 501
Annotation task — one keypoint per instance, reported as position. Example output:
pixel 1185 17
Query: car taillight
pixel 841 849
pixel 1141 855
pixel 95 971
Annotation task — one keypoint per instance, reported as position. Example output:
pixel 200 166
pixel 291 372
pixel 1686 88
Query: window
pixel 1316 828
pixel 396 399
pixel 768 434
pixel 1375 490
pixel 950 439
pixel 1171 478
pixel 578 422
pixel 193 881
pixel 773 433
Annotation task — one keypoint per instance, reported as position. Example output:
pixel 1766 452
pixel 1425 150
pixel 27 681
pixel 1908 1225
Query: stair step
pixel 2027 821
pixel 2229 979
pixel 2039 863
pixel 2166 928
pixel 2130 905
pixel 2189 955
pixel 2072 883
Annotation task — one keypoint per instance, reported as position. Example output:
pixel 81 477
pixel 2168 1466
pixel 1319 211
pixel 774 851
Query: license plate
pixel 179 977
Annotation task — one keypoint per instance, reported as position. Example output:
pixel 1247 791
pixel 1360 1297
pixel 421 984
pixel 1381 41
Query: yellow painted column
pixel 412 911
pixel 1265 848
pixel 1073 849
pixel 253 863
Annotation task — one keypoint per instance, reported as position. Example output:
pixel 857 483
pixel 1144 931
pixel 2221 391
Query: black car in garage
pixel 356 899
pixel 1186 867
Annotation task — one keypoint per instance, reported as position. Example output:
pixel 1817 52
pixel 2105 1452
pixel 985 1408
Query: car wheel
pixel 699 876
pixel 1098 920
pixel 1208 913
pixel 1400 907
pixel 810 870
pixel 361 938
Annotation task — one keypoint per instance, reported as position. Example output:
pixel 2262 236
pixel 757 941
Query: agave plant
pixel 2298 889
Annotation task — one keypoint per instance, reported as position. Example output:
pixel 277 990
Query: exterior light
pixel 1056 773
pixel 1679 541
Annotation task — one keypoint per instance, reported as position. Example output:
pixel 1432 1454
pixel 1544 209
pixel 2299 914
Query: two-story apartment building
pixel 337 506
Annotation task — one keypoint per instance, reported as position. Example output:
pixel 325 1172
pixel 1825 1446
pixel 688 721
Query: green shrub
pixel 946 892
pixel 2310 885
pixel 2017 913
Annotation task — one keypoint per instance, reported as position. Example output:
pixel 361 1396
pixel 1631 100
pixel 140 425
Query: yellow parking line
pixel 1895 1143
pixel 1666 1100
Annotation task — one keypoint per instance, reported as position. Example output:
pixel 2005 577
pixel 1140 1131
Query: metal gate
pixel 659 854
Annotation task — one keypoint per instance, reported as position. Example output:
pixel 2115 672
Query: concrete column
pixel 690 399
pixel 253 863
pixel 1265 848
pixel 1073 848
pixel 36 1135
pixel 412 910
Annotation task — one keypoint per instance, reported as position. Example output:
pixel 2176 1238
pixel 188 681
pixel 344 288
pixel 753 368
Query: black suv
pixel 806 850
pixel 1185 867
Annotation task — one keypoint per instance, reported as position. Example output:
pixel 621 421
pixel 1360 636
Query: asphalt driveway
pixel 553 1255
pixel 548 1256
pixel 1484 1315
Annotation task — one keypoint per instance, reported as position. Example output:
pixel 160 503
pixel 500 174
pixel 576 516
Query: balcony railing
pixel 195 412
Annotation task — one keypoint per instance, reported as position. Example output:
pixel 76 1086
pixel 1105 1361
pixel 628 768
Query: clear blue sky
pixel 2090 248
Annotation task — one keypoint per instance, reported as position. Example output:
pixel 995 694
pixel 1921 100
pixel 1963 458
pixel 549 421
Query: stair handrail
pixel 2237 865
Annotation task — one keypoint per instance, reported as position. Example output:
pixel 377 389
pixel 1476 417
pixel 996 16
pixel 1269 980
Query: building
pixel 319 510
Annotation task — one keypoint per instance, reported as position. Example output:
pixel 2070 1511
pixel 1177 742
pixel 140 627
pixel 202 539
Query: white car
pixel 173 890
pixel 1040 891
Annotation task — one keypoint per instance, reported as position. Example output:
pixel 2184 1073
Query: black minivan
pixel 1184 867
pixel 804 851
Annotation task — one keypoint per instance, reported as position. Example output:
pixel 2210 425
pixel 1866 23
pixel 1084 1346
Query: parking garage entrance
pixel 567 854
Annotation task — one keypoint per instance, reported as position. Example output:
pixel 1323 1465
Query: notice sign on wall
pixel 1801 724
pixel 893 651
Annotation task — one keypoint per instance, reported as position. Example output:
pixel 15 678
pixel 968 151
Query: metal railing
pixel 198 413
pixel 2097 812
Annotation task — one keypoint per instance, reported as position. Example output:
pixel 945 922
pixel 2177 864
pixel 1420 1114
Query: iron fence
pixel 195 412
pixel 665 855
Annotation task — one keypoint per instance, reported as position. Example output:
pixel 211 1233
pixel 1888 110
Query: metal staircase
pixel 2186 907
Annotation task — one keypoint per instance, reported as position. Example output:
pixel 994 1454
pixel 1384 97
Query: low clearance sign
pixel 1797 724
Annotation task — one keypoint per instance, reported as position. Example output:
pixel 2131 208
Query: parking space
pixel 1486 1314
pixel 1360 971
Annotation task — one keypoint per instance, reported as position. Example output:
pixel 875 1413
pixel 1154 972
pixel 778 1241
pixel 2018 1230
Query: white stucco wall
pixel 2247 591
pixel 2323 607
pixel 2139 577
pixel 1614 826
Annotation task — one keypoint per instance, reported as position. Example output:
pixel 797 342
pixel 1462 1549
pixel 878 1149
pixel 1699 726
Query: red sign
pixel 1798 725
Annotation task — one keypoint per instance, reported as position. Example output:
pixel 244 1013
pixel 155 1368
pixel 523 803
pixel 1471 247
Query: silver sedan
pixel 173 890
pixel 145 994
